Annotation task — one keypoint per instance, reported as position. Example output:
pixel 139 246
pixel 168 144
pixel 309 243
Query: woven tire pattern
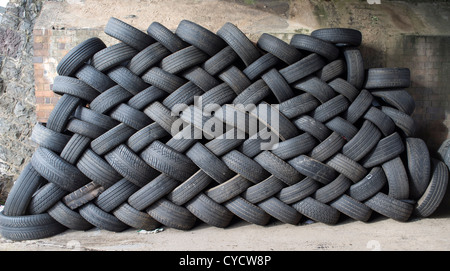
pixel 108 156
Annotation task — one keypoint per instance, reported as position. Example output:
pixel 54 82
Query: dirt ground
pixel 379 234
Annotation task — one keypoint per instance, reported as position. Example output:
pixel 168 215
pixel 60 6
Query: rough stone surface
pixel 17 101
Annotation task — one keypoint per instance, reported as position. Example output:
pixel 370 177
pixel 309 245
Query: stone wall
pixel 17 101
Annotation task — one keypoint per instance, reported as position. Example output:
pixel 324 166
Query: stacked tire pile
pixel 108 157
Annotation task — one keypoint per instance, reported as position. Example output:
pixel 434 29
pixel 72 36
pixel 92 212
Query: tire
pixel 239 42
pixel 345 88
pixel 82 195
pixel 167 160
pixel 312 127
pixel 183 59
pixel 298 191
pixel 333 190
pixel 84 128
pixel 171 215
pixel 23 189
pixel 247 211
pixel 397 179
pixel 363 142
pixel 229 189
pixel 45 197
pixel 352 208
pixel 130 166
pixel 355 67
pixel 294 146
pixel 316 87
pixel 78 55
pixel 101 219
pixel 259 66
pixel 280 49
pixel 390 207
pixel 244 166
pixel 128 34
pixel 402 120
pixel 339 36
pixel 235 79
pixel 144 137
pixel 330 109
pixel 201 78
pixel 75 87
pixel 381 120
pixel 112 138
pixel 188 189
pixel 298 105
pixel 332 70
pixel 313 169
pixel 419 166
pixel 146 97
pixel 165 37
pixel 278 167
pixel 130 116
pixel 315 45
pixel 220 61
pixel 209 211
pixel 68 218
pixel 347 167
pixel 115 195
pixel 152 192
pixel 112 97
pixel 28 227
pixel 327 148
pixel 343 127
pixel 263 190
pixel 135 218
pixel 62 112
pixel 94 78
pixel 399 99
pixel 317 211
pixel 147 58
pixel 280 211
pixel 435 192
pixel 163 80
pixel 358 107
pixel 127 79
pixel 278 85
pixel 302 68
pixel 200 37
pixel 369 186
pixel 387 78
pixel 112 56
pixel 53 168
pixel 387 148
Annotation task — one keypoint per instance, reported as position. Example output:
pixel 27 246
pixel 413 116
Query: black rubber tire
pixel 419 166
pixel 390 207
pixel 152 192
pixel 339 36
pixel 28 227
pixel 115 195
pixel 352 208
pixel 201 78
pixel 347 167
pixel 313 127
pixel 45 197
pixel 330 109
pixel 385 150
pixel 191 187
pixel 21 192
pixel 263 190
pixel 112 138
pixel 128 34
pixel 183 59
pixel 331 191
pixel 112 56
pixel 97 169
pixel 402 120
pixel 166 37
pixel 260 65
pixel 280 49
pixel 84 128
pixel 147 58
pixel 302 68
pixel 328 147
pixel 235 79
pixel 134 218
pixel 229 189
pixel 163 80
pixel 435 192
pixel 280 211
pixel 75 87
pixel 298 105
pixel 355 67
pixel 220 61
pixel 316 87
pixel 127 79
pixel 144 137
pixel 387 78
pixel 130 165
pixel 332 70
pixel 343 127
pixel 278 85
pixel 298 191
pixel 381 120
pixel 209 211
pixel 397 178
pixel 294 146
pixel 200 37
pixel 53 168
pixel 165 159
pixel 47 138
pixel 130 116
pixel 146 97
pixel 94 78
pixel 61 113
pixel 317 211
pixel 237 40
pixel 369 186
pixel 109 99
pixel 78 55
pixel 69 218
pixel 101 219
pixel 100 120
pixel 171 215
pixel 315 45
pixel 247 211
pixel 245 166
pixel 345 88
pixel 278 167
pixel 183 95
pixel 313 169
pixel 359 106
pixel 82 195
pixel 399 99
pixel 363 142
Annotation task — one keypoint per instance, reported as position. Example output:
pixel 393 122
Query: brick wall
pixel 50 46
pixel 428 58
